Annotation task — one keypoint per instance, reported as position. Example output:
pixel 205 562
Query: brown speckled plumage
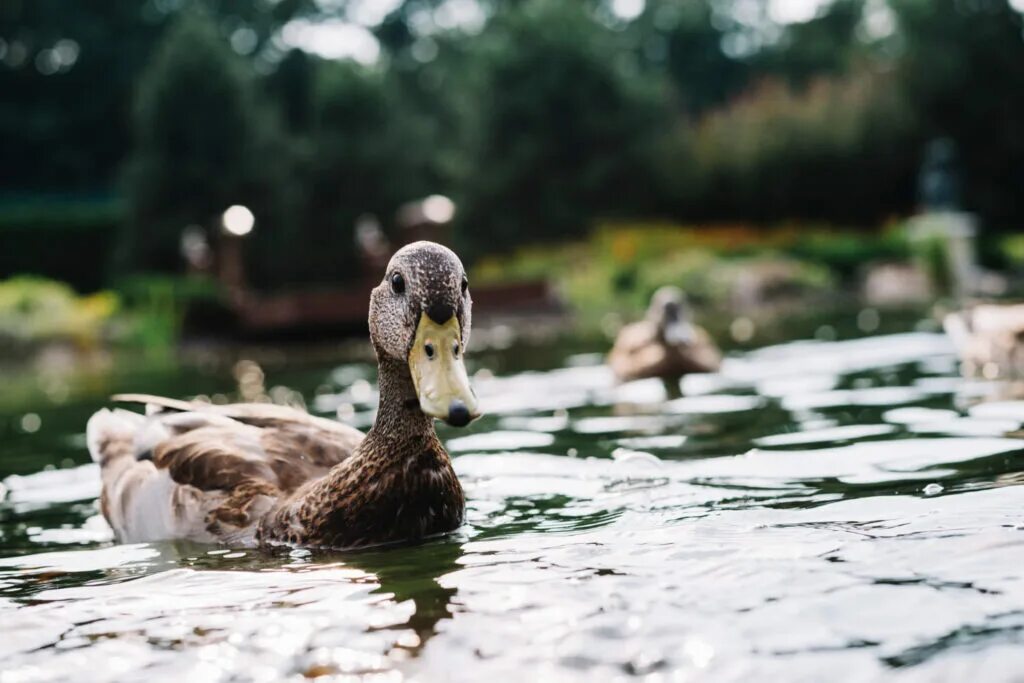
pixel 252 474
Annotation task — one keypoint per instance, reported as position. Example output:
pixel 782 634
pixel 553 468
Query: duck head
pixel 669 311
pixel 420 314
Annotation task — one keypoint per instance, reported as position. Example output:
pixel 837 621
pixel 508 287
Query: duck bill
pixel 439 374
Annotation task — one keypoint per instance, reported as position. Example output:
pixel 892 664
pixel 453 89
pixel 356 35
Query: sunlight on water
pixel 841 510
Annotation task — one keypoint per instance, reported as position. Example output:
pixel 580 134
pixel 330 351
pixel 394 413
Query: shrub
pixel 841 150
pixel 65 240
pixel 36 310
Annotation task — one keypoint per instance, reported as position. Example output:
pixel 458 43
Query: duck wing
pixel 987 334
pixel 636 353
pixel 207 473
pixel 701 355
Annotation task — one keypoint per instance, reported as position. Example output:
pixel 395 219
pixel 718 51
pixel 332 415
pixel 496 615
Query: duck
pixel 989 338
pixel 666 344
pixel 253 475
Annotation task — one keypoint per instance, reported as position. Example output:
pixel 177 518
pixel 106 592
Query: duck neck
pixel 399 483
pixel 399 421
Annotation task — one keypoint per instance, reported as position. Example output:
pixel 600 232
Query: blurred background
pixel 178 172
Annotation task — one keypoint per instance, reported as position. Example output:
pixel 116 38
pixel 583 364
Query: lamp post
pixel 236 223
pixel 942 227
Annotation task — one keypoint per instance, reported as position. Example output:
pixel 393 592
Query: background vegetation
pixel 123 123
pixel 605 145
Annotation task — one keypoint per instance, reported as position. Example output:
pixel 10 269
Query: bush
pixel 157 305
pixel 204 142
pixel 620 266
pixel 36 311
pixel 65 240
pixel 842 150
pixel 567 129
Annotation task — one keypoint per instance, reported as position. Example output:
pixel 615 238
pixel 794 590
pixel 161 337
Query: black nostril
pixel 440 312
pixel 458 414
pixel 429 348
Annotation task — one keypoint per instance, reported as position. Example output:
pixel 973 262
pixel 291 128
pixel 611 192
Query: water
pixel 842 510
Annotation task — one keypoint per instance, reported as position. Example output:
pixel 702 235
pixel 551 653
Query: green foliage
pixel 547 118
pixel 961 67
pixel 1012 248
pixel 204 141
pixel 67 128
pixel 566 130
pixel 35 311
pixel 620 266
pixel 846 253
pixel 67 241
pixel 365 155
pixel 156 306
pixel 683 41
pixel 826 152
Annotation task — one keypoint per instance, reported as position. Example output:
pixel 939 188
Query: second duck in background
pixel 665 344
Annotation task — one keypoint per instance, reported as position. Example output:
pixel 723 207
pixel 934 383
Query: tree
pixel 683 40
pixel 203 142
pixel 963 67
pixel 567 128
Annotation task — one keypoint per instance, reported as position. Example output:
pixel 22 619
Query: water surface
pixel 843 510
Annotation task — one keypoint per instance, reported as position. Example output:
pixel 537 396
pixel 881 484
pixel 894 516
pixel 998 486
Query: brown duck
pixel 257 474
pixel 664 344
pixel 989 338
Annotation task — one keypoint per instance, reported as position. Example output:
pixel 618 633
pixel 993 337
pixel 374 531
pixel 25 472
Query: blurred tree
pixel 290 87
pixel 366 156
pixel 841 150
pixel 203 142
pixel 963 67
pixel 68 72
pixel 65 73
pixel 827 45
pixel 537 118
pixel 567 131
pixel 685 40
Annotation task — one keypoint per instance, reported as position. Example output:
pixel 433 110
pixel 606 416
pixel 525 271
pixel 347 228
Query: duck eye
pixel 397 283
pixel 465 285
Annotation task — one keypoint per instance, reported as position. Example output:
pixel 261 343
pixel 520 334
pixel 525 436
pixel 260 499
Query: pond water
pixel 819 509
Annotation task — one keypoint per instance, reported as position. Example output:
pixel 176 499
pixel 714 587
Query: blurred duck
pixel 989 339
pixel 258 474
pixel 664 344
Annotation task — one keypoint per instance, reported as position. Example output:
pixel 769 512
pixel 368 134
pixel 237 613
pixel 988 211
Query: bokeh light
pixel 238 220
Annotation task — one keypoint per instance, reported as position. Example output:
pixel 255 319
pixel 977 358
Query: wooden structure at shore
pixel 345 309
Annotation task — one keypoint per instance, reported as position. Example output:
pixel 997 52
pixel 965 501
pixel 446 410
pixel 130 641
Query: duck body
pixel 989 338
pixel 665 344
pixel 258 474
pixel 639 353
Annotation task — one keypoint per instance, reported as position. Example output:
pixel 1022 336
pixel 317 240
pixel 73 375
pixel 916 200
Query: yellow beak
pixel 439 374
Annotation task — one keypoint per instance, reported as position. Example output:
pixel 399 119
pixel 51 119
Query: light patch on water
pixel 77 561
pixel 55 486
pixel 620 424
pixel 544 423
pixel 999 410
pixel 722 403
pixel 846 433
pixel 908 416
pixel 663 441
pixel 499 441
